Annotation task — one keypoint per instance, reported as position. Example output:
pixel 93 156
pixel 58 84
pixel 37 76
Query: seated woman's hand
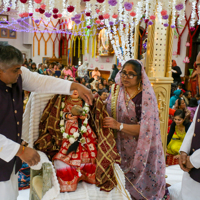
pixel 110 122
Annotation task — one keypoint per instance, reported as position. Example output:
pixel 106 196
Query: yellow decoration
pixel 37 27
pixel 88 43
pixel 93 45
pixel 79 46
pixel 83 45
pixel 75 46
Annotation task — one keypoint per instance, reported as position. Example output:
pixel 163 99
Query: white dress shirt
pixel 33 82
pixel 190 188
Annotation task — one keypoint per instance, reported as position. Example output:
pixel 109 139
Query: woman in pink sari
pixel 66 72
pixel 133 107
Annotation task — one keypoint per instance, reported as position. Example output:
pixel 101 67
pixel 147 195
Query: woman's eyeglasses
pixel 129 75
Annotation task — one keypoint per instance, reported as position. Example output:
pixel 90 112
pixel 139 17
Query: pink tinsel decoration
pixel 163 12
pixel 38 1
pixel 152 17
pixel 106 16
pixel 132 14
pixel 98 21
pixel 25 14
pixel 115 16
pixel 43 6
pixel 97 10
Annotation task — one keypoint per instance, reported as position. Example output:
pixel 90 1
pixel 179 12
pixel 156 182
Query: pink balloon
pixel 91 66
pixel 102 67
pixel 85 59
pixel 107 60
pixel 97 59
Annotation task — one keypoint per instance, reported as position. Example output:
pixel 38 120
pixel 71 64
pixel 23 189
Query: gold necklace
pixel 130 97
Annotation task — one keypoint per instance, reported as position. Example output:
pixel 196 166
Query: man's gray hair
pixel 9 57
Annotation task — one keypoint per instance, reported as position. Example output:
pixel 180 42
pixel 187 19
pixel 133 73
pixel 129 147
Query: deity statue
pixel 75 160
pixel 68 140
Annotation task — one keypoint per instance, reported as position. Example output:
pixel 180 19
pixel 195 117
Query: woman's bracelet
pixel 23 148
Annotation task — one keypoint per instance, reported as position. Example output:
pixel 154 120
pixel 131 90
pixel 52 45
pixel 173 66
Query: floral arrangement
pixel 75 136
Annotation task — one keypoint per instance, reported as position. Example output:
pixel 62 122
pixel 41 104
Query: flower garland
pixel 5 4
pixel 192 21
pixel 74 137
pixel 198 13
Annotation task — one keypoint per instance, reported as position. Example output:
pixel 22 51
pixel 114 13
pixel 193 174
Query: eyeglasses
pixel 129 75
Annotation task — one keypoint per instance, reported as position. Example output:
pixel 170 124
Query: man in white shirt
pixel 14 79
pixel 190 157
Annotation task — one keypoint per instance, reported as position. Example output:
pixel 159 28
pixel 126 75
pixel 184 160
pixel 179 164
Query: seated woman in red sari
pixel 133 108
pixel 75 160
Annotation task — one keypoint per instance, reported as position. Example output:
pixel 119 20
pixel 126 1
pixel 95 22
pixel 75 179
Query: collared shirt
pixel 33 82
pixel 190 188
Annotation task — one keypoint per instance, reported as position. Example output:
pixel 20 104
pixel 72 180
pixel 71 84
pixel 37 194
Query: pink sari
pixel 142 160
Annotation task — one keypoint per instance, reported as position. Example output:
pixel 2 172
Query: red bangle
pixel 23 148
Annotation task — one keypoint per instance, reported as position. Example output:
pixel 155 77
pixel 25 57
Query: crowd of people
pixel 79 74
pixel 182 107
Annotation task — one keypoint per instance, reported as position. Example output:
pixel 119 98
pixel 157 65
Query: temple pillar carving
pixel 158 68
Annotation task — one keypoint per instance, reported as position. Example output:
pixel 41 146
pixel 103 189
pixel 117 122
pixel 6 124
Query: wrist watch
pixel 121 126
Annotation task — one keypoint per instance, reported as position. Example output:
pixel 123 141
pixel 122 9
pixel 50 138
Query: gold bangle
pixel 23 148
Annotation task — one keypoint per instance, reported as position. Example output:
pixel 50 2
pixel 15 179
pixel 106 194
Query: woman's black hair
pixel 179 101
pixel 102 80
pixel 181 114
pixel 187 93
pixel 78 79
pixel 33 64
pixel 193 102
pixel 136 67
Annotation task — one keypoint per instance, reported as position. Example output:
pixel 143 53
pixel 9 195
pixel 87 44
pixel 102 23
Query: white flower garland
pixel 159 9
pixel 5 4
pixel 198 7
pixel 13 4
pixel 74 137
pixel 193 15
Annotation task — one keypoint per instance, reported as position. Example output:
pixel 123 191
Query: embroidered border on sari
pixel 114 92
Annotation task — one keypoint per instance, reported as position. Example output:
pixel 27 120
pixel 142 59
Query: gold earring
pixel 139 85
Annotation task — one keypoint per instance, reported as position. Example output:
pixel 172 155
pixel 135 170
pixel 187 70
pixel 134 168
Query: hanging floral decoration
pixel 119 16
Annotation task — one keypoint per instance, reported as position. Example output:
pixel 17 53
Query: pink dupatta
pixel 142 160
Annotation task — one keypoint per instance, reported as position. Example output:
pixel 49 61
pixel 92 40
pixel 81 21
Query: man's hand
pixel 188 163
pixel 84 92
pixel 109 122
pixel 183 161
pixel 30 156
